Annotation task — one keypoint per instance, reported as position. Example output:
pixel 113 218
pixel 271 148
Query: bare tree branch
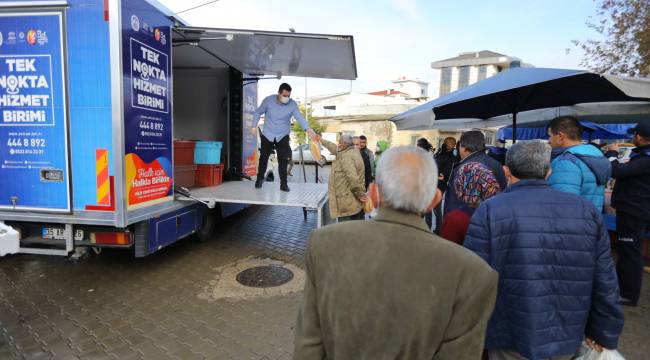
pixel 625 45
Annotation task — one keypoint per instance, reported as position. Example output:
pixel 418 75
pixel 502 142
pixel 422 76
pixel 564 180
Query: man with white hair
pixel 388 288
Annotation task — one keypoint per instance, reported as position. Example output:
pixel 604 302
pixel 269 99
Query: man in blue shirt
pixel 278 110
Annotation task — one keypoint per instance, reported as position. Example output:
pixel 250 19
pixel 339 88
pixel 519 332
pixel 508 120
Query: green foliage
pixel 301 135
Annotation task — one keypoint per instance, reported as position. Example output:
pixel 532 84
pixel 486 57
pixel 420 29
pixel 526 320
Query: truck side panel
pixel 90 104
pixel 34 164
pixel 147 81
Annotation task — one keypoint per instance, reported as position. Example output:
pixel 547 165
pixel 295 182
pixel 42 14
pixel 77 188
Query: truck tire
pixel 211 219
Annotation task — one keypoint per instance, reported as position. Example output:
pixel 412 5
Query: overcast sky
pixel 396 38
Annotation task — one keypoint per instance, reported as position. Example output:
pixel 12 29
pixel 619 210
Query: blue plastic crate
pixel 208 152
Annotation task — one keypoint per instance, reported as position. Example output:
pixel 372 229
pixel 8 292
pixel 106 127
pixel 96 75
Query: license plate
pixel 59 234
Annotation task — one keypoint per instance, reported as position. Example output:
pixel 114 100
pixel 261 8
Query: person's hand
pixel 254 131
pixel 312 134
pixel 441 177
pixel 614 147
pixel 363 198
pixel 592 344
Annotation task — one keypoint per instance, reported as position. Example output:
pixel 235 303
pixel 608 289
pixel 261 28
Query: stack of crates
pixel 184 168
pixel 207 157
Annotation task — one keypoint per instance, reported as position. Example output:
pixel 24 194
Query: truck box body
pixel 93 94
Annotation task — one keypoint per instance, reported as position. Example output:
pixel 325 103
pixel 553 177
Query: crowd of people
pixel 519 267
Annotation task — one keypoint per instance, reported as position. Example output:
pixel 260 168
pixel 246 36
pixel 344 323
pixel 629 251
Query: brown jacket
pixel 390 289
pixel 347 181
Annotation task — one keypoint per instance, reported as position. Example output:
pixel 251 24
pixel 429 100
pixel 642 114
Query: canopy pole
pixel 514 127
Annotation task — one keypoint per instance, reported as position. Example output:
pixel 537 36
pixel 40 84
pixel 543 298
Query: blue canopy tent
pixel 592 132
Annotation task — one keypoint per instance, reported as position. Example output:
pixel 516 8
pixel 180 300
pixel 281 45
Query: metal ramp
pixel 310 196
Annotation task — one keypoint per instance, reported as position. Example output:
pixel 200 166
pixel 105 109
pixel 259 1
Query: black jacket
pixel 445 161
pixel 367 167
pixel 631 193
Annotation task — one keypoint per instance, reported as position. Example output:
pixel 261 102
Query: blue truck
pixel 93 94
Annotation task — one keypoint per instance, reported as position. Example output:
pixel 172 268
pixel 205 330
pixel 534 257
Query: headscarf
pixel 382 145
pixel 474 183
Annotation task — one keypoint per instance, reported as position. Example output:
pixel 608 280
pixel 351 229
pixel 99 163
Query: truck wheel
pixel 211 218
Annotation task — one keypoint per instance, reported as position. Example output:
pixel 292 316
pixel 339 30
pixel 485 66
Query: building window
pixel 422 93
pixel 445 81
pixel 463 76
pixel 329 107
pixel 414 139
pixel 515 64
pixel 482 72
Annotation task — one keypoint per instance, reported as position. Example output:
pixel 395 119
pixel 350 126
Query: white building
pixel 357 113
pixel 414 88
pixel 358 104
pixel 469 67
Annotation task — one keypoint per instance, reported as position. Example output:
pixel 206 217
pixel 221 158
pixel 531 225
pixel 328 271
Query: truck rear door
pixel 268 53
pixel 34 161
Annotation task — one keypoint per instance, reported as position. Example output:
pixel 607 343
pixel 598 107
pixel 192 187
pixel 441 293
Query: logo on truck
pixel 149 82
pixel 41 37
pixel 11 38
pixel 31 37
pixel 25 90
pixel 135 23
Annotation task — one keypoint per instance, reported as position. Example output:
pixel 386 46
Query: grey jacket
pixel 388 289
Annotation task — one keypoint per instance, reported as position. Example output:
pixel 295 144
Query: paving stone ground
pixel 113 306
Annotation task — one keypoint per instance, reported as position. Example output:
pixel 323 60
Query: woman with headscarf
pixel 474 184
pixel 382 145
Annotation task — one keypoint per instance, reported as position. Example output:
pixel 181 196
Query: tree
pixel 301 135
pixel 625 49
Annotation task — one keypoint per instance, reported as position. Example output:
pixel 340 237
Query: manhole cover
pixel 264 276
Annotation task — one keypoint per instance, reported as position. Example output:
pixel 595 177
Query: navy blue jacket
pixel 451 200
pixel 557 281
pixel 631 193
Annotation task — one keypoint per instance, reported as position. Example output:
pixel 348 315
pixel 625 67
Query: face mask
pixel 284 99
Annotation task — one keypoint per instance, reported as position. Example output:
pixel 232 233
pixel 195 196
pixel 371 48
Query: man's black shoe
pixel 258 183
pixel 625 302
pixel 285 187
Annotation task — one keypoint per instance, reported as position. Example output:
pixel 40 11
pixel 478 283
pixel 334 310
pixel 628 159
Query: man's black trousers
pixel 283 154
pixel 631 230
